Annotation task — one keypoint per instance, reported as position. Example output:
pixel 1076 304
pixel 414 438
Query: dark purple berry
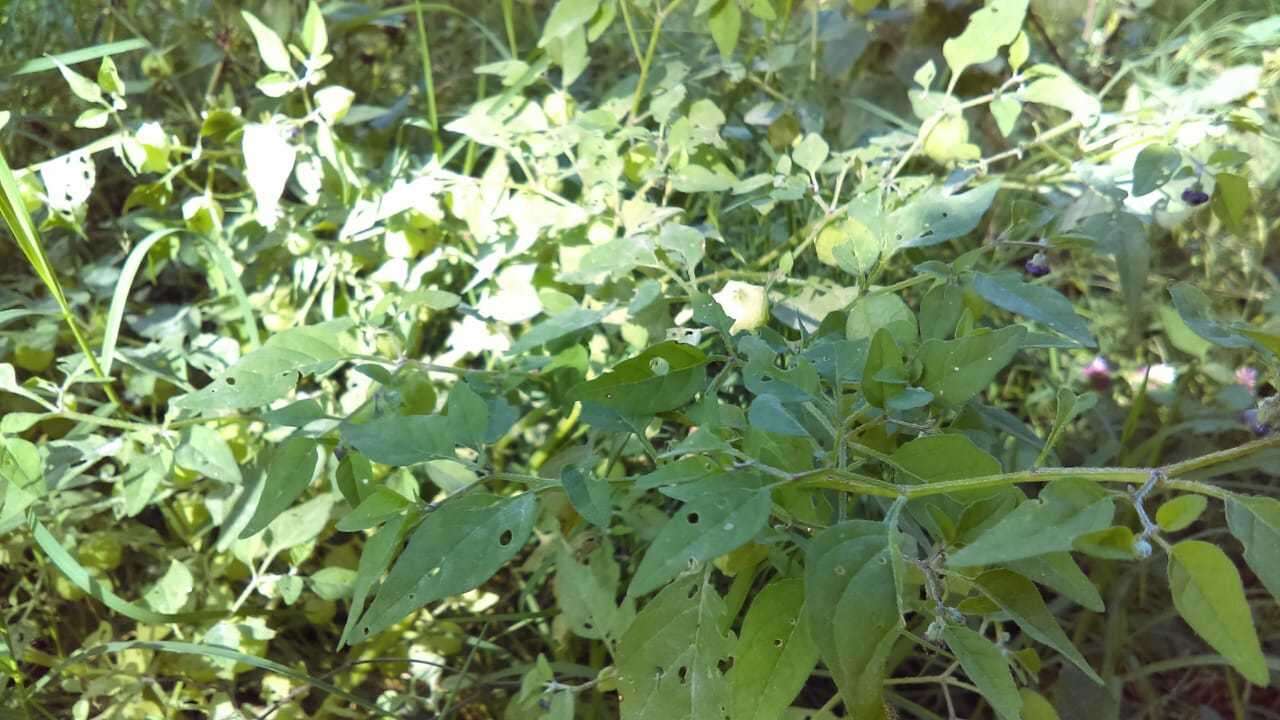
pixel 1258 427
pixel 1038 265
pixel 1195 196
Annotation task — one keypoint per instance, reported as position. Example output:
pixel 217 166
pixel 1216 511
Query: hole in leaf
pixel 506 538
pixel 692 518
pixel 778 643
pixel 231 381
pixel 725 664
pixel 683 672
pixel 588 625
pixel 693 589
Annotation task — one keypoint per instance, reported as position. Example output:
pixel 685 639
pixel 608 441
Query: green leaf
pixel 299 525
pixel 957 370
pixel 402 439
pixel 1038 302
pixel 708 525
pixel 1022 603
pixel 1065 510
pixel 566 17
pixel 459 545
pixel 849 573
pixel 935 216
pixel 1005 110
pixel 942 457
pixel 557 326
pixel 768 413
pixel 883 310
pixel 1178 513
pixel 811 152
pixel 669 661
pixel 81 86
pixel 1053 87
pixel 204 451
pixel 987 668
pixel 109 78
pixel 467 414
pixel 1058 571
pixel 270 372
pixel 1036 707
pixel 586 593
pixel 1113 543
pixel 1154 167
pixel 1208 594
pixel 725 23
pixel 775 655
pixel 1019 51
pixel 171 591
pixel 293 465
pixel 270 47
pixel 1255 522
pixel 663 377
pixel 375 558
pixel 1231 201
pixel 589 495
pixel 989 29
pixel 884 376
pixel 1194 308
pixel 314 36
pixel 379 505
pixel 695 178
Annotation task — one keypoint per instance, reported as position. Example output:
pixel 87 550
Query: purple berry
pixel 1038 265
pixel 1195 196
pixel 1258 427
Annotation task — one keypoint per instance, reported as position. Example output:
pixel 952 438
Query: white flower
pixel 745 303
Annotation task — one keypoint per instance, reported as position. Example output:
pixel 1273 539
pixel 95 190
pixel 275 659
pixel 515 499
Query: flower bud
pixel 1097 373
pixel 1142 548
pixel 745 303
pixel 1038 265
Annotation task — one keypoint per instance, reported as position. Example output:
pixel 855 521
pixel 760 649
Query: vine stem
pixel 836 479
pixel 647 62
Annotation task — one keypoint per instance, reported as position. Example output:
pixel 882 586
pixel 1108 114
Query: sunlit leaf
pixel 457 547
pixel 1208 594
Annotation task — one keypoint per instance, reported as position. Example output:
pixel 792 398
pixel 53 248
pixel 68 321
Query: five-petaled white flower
pixel 745 303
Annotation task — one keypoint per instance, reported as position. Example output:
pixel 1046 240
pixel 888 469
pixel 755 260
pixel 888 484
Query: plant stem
pixel 647 62
pixel 836 479
pixel 424 49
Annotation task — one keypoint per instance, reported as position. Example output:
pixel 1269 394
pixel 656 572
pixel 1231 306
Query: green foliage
pixel 614 358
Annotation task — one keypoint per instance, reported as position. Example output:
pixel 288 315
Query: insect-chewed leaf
pixel 775 655
pixel 851 599
pixel 270 372
pixel 586 593
pixel 957 370
pixel 1022 602
pixel 1255 521
pixel 936 216
pixel 456 548
pixel 987 668
pixel 670 661
pixel 663 377
pixel 1065 510
pixel 1208 594
pixel 708 525
pixel 989 29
